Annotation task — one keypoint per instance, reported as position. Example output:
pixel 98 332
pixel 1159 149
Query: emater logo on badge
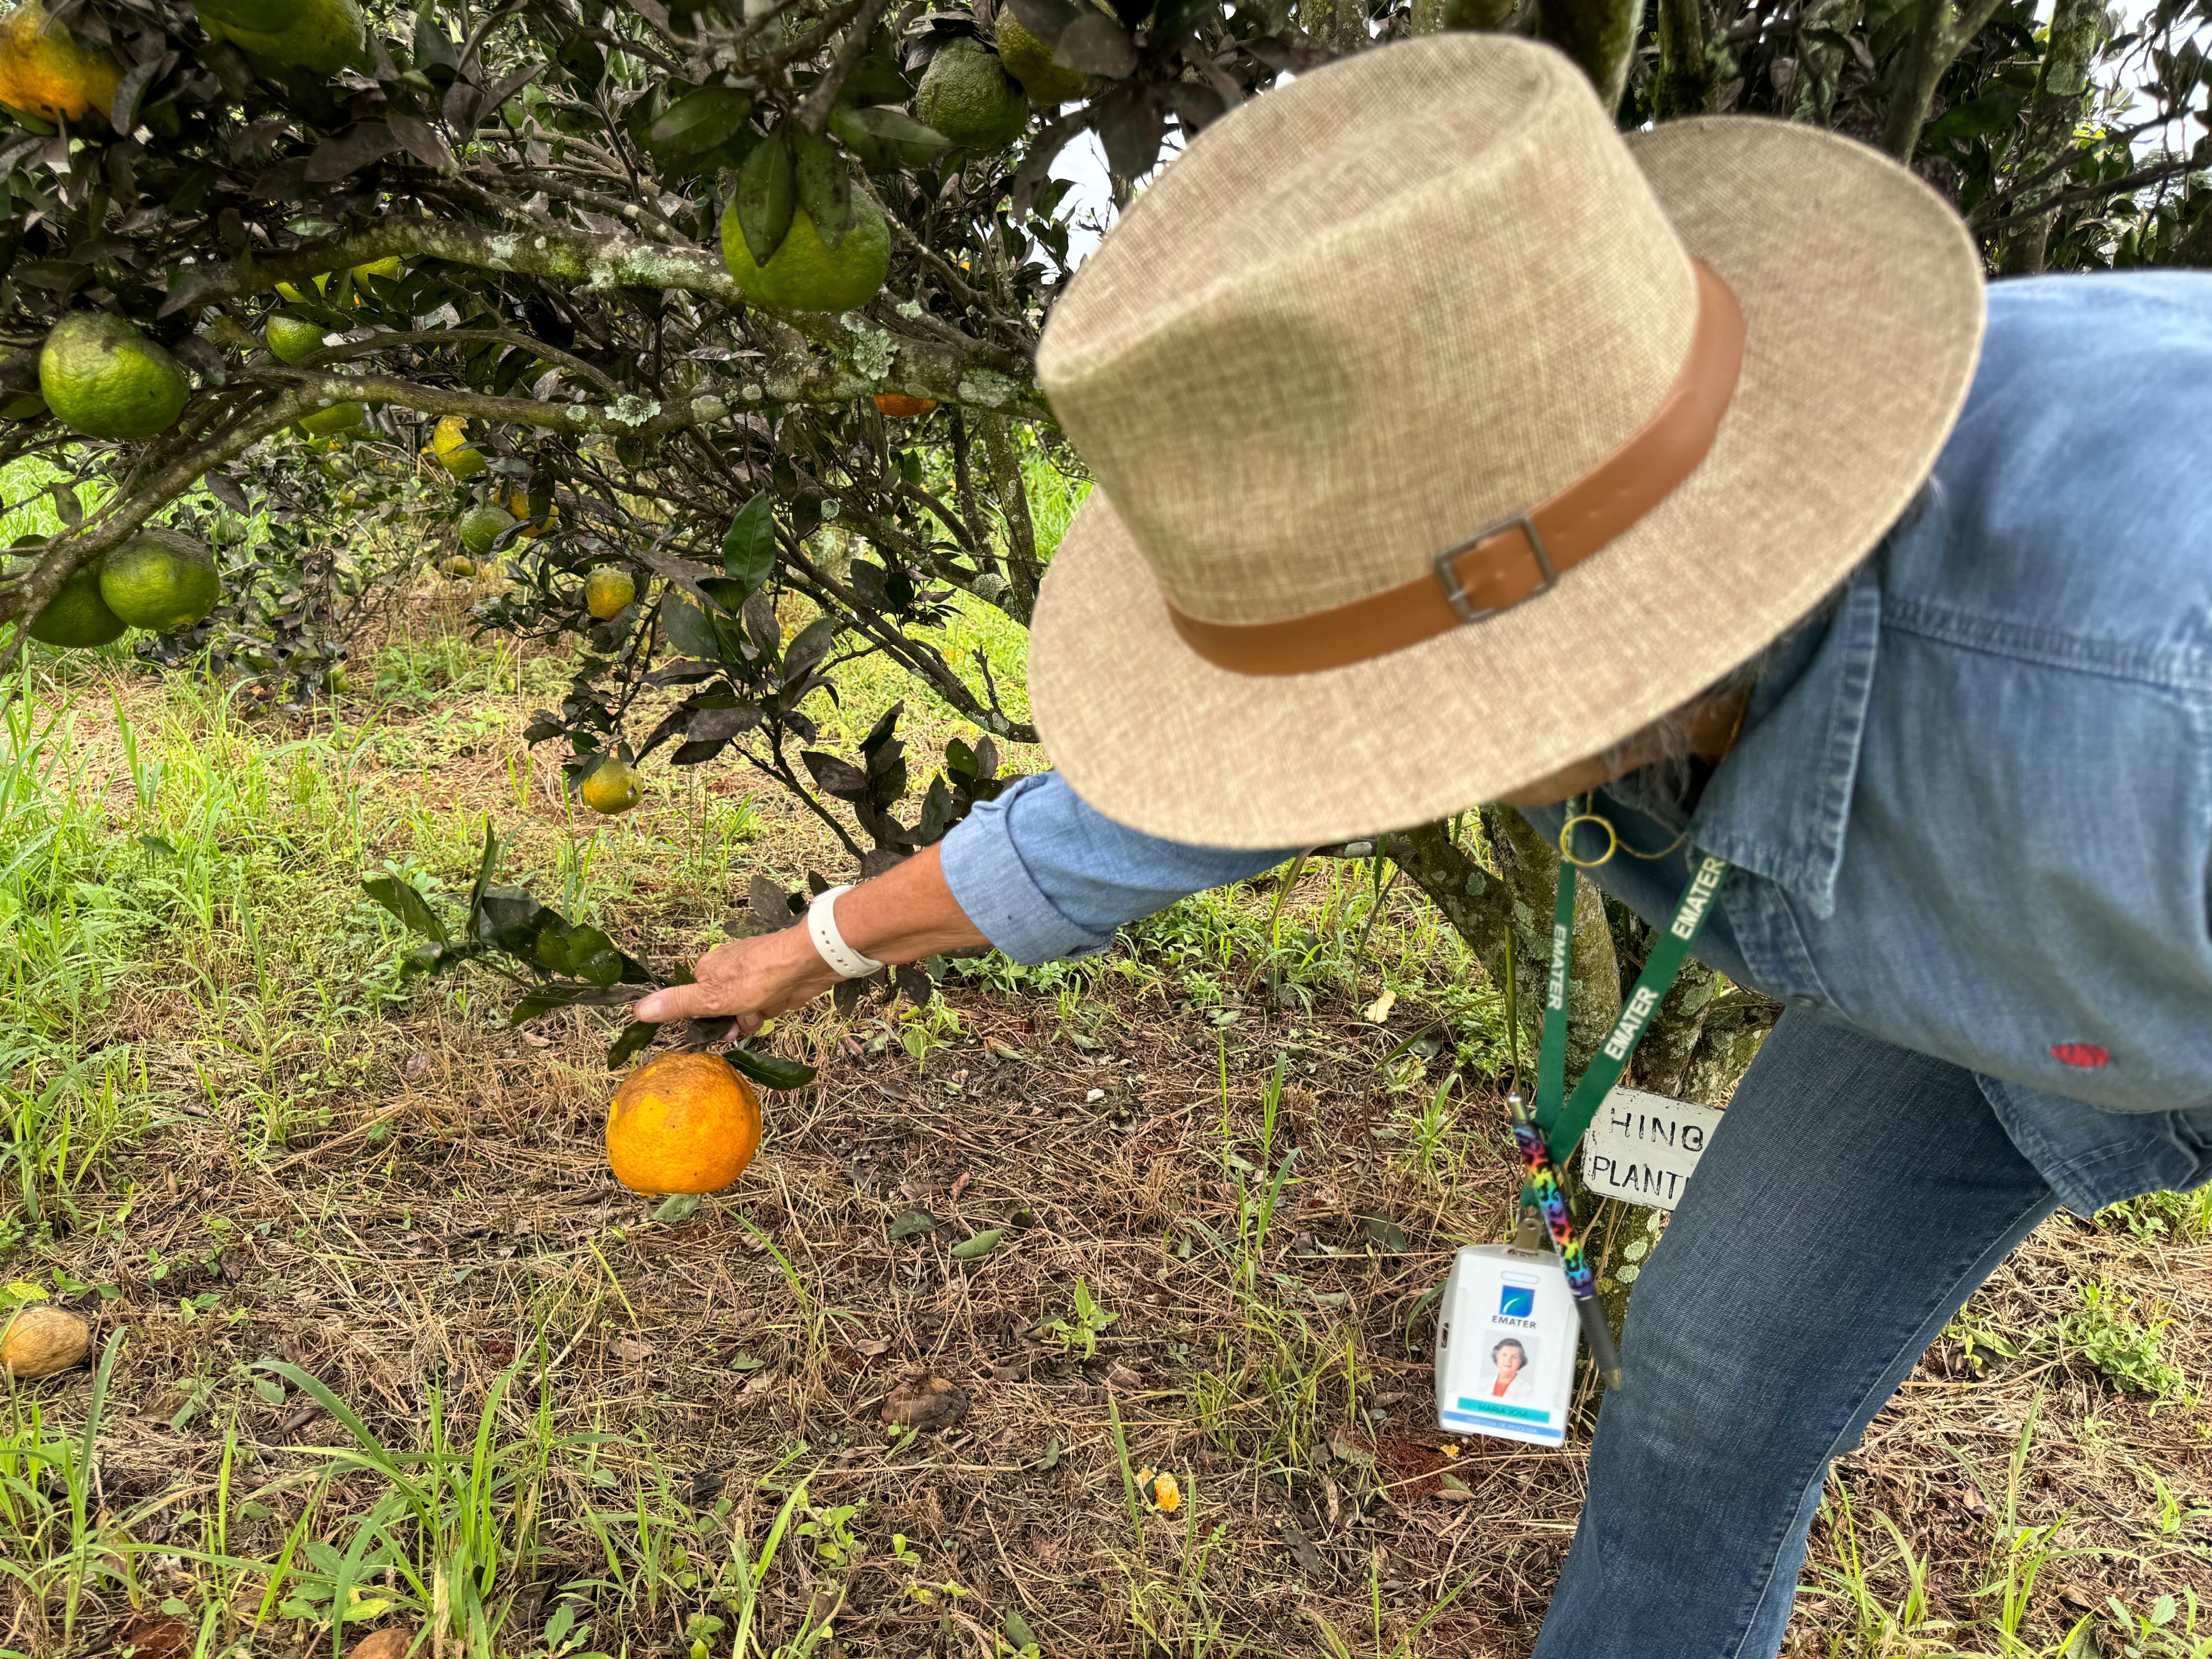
pixel 1516 1301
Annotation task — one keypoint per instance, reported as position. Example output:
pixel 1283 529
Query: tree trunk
pixel 2076 27
pixel 1599 35
pixel 1684 84
pixel 1696 1047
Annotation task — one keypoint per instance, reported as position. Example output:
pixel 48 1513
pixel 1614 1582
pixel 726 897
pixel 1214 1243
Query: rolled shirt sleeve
pixel 1044 877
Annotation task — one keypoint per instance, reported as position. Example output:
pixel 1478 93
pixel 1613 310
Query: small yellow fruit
pixel 41 1339
pixel 612 787
pixel 328 422
pixel 449 442
pixel 517 506
pixel 46 72
pixel 683 1123
pixel 608 591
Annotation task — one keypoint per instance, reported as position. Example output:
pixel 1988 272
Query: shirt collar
pixel 1779 804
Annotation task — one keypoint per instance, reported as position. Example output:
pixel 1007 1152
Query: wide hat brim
pixel 1863 293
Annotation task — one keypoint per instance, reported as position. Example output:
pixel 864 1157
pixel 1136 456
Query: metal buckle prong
pixel 1456 590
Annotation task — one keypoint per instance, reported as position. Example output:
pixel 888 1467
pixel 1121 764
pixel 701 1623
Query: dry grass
pixel 405 1198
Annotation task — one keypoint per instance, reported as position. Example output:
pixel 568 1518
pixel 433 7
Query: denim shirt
pixel 1970 810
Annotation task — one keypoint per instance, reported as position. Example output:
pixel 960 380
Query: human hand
pixel 754 979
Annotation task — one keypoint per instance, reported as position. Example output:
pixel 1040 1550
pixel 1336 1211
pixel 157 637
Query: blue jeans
pixel 1852 1199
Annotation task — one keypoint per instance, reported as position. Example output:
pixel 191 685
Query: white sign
pixel 1642 1148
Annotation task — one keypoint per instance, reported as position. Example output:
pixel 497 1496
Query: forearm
pixel 907 912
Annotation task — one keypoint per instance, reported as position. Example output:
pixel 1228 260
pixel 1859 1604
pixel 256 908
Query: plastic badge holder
pixel 1506 1341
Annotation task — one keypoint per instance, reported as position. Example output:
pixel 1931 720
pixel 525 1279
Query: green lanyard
pixel 1563 1117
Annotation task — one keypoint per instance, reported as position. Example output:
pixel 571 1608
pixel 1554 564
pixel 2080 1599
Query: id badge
pixel 1506 1341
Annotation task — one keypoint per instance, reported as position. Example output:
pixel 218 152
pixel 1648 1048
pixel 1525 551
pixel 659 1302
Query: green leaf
pixel 768 1070
pixel 912 1222
pixel 749 544
pixel 487 866
pixel 824 184
pixel 405 900
pixel 677 1207
pixel 973 1249
pixel 543 1002
pixel 698 122
pixel 766 197
pixel 691 629
pixel 886 140
pixel 634 1037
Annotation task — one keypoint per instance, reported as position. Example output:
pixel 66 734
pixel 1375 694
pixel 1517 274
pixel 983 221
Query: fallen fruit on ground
pixel 608 591
pixel 160 580
pixel 339 418
pixel 393 1643
pixel 450 445
pixel 77 616
pixel 103 379
pixel 612 787
pixel 41 1339
pixel 1028 60
pixel 47 72
pixel 481 526
pixel 898 406
pixel 923 1402
pixel 808 274
pixel 291 338
pixel 683 1123
pixel 966 95
pixel 322 37
pixel 458 567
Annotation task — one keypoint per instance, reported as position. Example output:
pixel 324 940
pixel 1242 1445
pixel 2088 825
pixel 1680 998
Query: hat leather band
pixel 1518 557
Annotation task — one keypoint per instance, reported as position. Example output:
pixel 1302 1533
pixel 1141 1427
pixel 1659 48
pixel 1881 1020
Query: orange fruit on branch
pixel 47 72
pixel 612 787
pixel 683 1123
pixel 898 406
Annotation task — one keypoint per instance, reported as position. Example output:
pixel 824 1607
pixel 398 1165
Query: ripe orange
pixel 900 407
pixel 683 1123
pixel 46 72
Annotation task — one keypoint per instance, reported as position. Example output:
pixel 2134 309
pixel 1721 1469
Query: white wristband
pixel 822 927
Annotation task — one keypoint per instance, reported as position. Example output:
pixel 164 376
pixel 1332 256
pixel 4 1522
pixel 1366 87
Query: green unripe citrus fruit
pixel 262 16
pixel 966 95
pixel 103 378
pixel 608 591
pixel 612 787
pixel 77 616
pixel 291 338
pixel 323 37
pixel 480 527
pixel 1028 60
pixel 160 581
pixel 339 418
pixel 458 567
pixel 807 275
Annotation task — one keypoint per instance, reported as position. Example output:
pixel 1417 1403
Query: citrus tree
pixel 698 315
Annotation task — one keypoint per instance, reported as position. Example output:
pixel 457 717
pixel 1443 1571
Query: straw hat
pixel 1426 301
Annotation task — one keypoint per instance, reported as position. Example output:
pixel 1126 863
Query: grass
pixel 382 1345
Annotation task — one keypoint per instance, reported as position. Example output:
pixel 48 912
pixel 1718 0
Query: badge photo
pixel 1506 1341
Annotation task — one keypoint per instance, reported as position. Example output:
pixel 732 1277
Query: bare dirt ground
pixel 429 1229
